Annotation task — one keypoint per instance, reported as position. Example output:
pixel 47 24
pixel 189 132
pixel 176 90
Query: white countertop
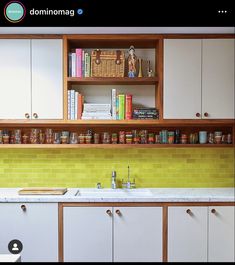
pixel 119 195
pixel 10 258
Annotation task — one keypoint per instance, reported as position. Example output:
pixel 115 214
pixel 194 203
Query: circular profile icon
pixel 15 246
pixel 14 11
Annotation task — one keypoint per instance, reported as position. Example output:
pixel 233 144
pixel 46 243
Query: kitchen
pixel 165 192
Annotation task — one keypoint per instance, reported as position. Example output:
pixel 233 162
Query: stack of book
pixel 79 63
pixel 75 105
pixel 121 106
pixel 96 112
pixel 145 113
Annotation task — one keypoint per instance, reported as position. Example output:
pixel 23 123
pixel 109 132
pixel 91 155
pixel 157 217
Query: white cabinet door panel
pixel 187 234
pixel 87 234
pixel 221 234
pixel 182 78
pixel 36 228
pixel 138 234
pixel 15 82
pixel 218 78
pixel 47 78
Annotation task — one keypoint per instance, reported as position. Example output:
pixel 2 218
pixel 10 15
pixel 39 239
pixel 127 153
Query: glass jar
pixel 81 138
pixel 49 136
pixel 73 138
pixel 128 137
pixel 56 138
pixel 88 138
pixel 17 134
pixel 136 137
pixel 183 138
pixel 151 138
pixel 114 138
pixel 34 136
pixel 1 135
pixel 25 138
pixel 171 137
pixel 157 139
pixel 143 136
pixel 96 138
pixel 121 137
pixel 106 138
pixel 41 137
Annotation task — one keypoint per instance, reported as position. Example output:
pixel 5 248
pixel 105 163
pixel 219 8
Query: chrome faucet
pixel 114 183
pixel 128 184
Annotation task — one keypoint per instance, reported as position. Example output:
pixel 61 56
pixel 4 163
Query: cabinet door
pixel 221 234
pixel 87 234
pixel 187 234
pixel 36 228
pixel 137 234
pixel 182 79
pixel 47 79
pixel 15 83
pixel 218 78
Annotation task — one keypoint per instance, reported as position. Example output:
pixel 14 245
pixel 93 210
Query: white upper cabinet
pixel 198 79
pixel 218 78
pixel 182 78
pixel 31 79
pixel 47 79
pixel 15 82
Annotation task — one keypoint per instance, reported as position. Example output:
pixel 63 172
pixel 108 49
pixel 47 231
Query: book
pixel 73 63
pixel 76 106
pixel 80 106
pixel 113 103
pixel 83 63
pixel 70 64
pixel 117 108
pixel 78 62
pixel 128 109
pixel 69 104
pixel 121 106
pixel 86 65
pixel 72 115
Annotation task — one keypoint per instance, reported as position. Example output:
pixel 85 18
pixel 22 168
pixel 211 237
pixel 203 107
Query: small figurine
pixel 132 60
pixel 140 68
pixel 149 70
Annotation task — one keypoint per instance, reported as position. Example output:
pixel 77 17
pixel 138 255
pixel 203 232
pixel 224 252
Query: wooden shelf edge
pixel 111 146
pixel 117 122
pixel 114 80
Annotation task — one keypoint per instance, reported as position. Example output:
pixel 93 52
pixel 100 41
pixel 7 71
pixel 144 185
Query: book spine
pixel 69 104
pixel 128 112
pixel 83 63
pixel 70 64
pixel 80 106
pixel 89 65
pixel 73 64
pixel 86 64
pixel 79 62
pixel 76 106
pixel 113 103
pixel 121 106
pixel 72 105
pixel 117 108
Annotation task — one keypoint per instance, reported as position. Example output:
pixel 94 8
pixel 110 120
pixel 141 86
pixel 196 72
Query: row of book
pixel 75 105
pixel 79 63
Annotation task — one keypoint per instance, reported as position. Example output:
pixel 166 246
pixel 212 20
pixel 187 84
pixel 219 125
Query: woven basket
pixel 107 63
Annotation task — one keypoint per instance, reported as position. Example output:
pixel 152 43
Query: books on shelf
pixel 145 113
pixel 79 63
pixel 75 105
pixel 96 112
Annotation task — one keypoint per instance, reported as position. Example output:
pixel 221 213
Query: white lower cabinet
pixel 105 234
pixel 35 225
pixel 187 234
pixel 201 234
pixel 221 234
pixel 87 234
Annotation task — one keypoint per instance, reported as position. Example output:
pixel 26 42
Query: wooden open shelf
pixel 113 80
pixel 107 146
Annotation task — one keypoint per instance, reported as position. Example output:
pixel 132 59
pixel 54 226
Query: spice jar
pixel 81 138
pixel 183 138
pixel 49 136
pixel 106 138
pixel 56 138
pixel 128 137
pixel 136 137
pixel 73 138
pixel 171 137
pixel 96 138
pixel 25 138
pixel 229 138
pixel 34 136
pixel 17 134
pixel 151 138
pixel 157 139
pixel 6 139
pixel 114 138
pixel 1 135
pixel 143 136
pixel 41 137
pixel 88 138
pixel 121 137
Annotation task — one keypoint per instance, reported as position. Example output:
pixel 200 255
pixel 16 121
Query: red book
pixel 80 106
pixel 78 62
pixel 128 112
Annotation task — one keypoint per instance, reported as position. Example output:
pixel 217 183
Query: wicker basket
pixel 107 63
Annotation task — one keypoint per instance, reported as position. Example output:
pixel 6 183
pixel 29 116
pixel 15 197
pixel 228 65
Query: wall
pixel 166 167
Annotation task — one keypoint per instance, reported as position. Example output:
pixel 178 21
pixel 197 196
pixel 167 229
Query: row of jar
pixel 39 136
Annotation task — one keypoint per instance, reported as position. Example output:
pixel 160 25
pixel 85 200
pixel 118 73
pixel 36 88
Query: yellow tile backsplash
pixel 163 167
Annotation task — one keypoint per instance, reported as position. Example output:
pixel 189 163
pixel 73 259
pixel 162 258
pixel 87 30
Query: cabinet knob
pixel 206 114
pixel 198 114
pixel 35 115
pixel 109 212
pixel 213 210
pixel 118 212
pixel 188 211
pixel 27 116
pixel 23 207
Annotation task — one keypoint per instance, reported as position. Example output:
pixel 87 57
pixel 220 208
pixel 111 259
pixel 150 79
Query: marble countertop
pixel 122 195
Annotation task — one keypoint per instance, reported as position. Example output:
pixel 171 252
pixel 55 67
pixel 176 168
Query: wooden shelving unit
pixel 110 146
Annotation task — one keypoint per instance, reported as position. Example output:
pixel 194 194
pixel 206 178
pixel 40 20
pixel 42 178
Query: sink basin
pixel 113 193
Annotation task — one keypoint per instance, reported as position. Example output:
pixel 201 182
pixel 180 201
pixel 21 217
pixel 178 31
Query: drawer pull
pixel 109 212
pixel 188 211
pixel 198 114
pixel 23 207
pixel 27 116
pixel 118 212
pixel 35 115
pixel 213 210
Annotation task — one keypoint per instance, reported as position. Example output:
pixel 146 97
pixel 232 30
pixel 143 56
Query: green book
pixel 121 106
